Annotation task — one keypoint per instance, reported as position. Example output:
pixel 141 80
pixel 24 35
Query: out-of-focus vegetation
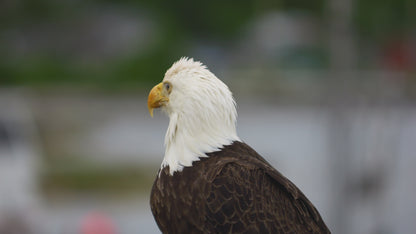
pixel 84 177
pixel 177 24
pixel 177 27
pixel 376 21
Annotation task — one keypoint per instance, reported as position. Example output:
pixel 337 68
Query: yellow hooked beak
pixel 157 98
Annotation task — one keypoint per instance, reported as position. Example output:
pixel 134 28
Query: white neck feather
pixel 187 141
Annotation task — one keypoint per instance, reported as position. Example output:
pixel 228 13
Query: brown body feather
pixel 234 190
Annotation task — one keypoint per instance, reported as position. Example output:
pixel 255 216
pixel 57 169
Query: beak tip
pixel 155 99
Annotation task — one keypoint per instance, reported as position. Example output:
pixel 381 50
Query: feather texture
pixel 202 114
pixel 233 190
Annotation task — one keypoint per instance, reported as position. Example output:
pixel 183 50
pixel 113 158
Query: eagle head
pixel 201 109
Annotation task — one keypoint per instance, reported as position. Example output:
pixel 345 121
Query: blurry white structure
pixel 18 157
pixel 296 139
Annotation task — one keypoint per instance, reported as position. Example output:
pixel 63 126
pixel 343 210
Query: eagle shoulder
pixel 233 190
pixel 247 194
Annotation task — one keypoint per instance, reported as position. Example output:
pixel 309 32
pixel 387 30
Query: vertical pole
pixel 342 58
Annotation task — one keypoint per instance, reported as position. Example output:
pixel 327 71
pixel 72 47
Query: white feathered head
pixel 201 110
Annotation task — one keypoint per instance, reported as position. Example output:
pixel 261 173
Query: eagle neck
pixel 187 140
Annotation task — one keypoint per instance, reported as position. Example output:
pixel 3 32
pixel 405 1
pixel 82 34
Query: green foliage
pixel 376 20
pixel 180 23
pixel 87 177
pixel 130 72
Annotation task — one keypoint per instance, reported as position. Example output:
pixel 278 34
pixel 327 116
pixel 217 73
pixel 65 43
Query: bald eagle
pixel 210 181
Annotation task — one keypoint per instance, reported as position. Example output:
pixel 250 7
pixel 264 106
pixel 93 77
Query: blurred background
pixel 326 92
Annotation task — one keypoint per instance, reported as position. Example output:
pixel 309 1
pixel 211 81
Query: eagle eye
pixel 168 86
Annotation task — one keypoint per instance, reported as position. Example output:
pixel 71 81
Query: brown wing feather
pixel 272 190
pixel 232 191
pixel 243 199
